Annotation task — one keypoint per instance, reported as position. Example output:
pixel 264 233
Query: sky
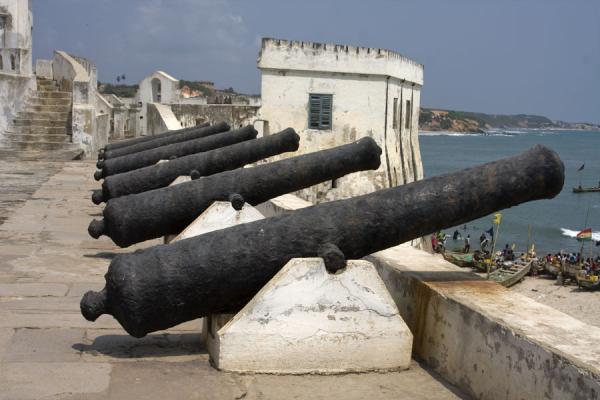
pixel 495 56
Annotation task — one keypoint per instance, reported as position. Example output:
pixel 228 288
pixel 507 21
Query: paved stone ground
pixel 47 349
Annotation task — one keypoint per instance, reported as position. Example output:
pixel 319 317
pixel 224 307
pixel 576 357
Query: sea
pixel 553 223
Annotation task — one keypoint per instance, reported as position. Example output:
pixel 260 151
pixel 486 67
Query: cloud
pixel 187 28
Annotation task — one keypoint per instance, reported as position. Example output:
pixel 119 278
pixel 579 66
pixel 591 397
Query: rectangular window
pixel 408 114
pixel 319 111
pixel 2 30
pixel 395 113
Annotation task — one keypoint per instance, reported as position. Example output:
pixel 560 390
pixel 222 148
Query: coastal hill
pixel 461 121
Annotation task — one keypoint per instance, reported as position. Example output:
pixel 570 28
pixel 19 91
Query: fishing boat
pixel 587 281
pixel 460 259
pixel 580 189
pixel 510 273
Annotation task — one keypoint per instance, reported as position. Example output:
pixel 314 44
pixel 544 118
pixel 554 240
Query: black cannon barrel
pixel 174 137
pixel 168 211
pixel 142 159
pixel 130 142
pixel 204 164
pixel 165 285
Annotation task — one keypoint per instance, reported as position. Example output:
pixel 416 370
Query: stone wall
pixel 161 119
pixel 195 114
pixel 17 90
pixel 489 341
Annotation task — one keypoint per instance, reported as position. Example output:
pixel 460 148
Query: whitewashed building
pixel 16 77
pixel 335 94
pixel 157 88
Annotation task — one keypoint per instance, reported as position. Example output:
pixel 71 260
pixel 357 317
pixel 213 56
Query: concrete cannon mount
pixel 306 320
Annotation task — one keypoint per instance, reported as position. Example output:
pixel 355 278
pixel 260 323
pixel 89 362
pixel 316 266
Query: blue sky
pixel 503 56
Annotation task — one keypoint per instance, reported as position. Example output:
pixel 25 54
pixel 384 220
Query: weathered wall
pixel 195 114
pixel 17 37
pixel 18 83
pixel 364 83
pixel 43 69
pixel 15 91
pixel 79 77
pixel 490 342
pixel 161 119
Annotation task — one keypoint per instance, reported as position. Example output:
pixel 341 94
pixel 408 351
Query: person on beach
pixel 456 235
pixel 434 243
pixel 467 243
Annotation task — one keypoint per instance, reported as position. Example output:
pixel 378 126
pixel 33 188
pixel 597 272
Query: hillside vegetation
pixel 462 121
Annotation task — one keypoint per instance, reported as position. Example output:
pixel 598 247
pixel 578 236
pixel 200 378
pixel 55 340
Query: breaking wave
pixel 573 234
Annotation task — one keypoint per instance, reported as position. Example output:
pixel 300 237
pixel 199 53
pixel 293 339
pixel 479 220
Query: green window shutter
pixel 320 110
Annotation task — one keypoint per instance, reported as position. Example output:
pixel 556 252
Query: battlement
pixel 327 57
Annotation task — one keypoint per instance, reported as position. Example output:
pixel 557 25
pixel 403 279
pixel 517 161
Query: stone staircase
pixel 43 128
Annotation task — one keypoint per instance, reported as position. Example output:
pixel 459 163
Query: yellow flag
pixel 497 219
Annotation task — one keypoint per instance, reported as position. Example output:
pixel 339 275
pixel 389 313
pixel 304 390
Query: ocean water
pixel 554 223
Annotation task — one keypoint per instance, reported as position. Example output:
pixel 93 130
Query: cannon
pixel 142 159
pixel 218 272
pixel 201 164
pixel 168 211
pixel 174 137
pixel 130 142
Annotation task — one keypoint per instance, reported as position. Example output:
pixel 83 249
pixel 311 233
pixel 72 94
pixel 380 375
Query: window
pixel 2 30
pixel 395 113
pixel 13 62
pixel 319 111
pixel 408 114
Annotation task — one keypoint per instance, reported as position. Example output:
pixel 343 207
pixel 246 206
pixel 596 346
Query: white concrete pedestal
pixel 306 320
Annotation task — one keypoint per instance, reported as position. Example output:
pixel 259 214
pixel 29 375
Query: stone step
pixel 49 101
pixel 39 122
pixel 36 155
pixel 35 137
pixel 48 108
pixel 38 146
pixel 40 130
pixel 54 95
pixel 52 115
pixel 47 85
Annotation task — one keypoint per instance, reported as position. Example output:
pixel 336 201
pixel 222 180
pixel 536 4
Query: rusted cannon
pixel 167 211
pixel 142 159
pixel 130 142
pixel 217 272
pixel 174 137
pixel 201 164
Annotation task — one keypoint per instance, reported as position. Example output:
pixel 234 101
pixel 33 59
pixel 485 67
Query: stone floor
pixel 47 349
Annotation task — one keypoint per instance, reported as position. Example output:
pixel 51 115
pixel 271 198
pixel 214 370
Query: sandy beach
pixel 578 303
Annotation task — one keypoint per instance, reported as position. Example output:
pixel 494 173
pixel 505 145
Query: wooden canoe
pixel 509 275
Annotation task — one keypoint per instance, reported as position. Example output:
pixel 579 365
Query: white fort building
pixel 335 94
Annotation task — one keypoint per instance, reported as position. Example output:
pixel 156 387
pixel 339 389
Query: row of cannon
pixel 161 286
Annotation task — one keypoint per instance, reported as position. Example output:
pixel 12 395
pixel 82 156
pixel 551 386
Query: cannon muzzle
pixel 162 286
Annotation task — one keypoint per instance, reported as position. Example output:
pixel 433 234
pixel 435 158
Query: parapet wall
pixel 322 57
pixel 489 341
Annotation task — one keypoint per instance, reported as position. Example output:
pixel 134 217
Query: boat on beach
pixel 580 189
pixel 587 281
pixel 510 273
pixel 465 260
